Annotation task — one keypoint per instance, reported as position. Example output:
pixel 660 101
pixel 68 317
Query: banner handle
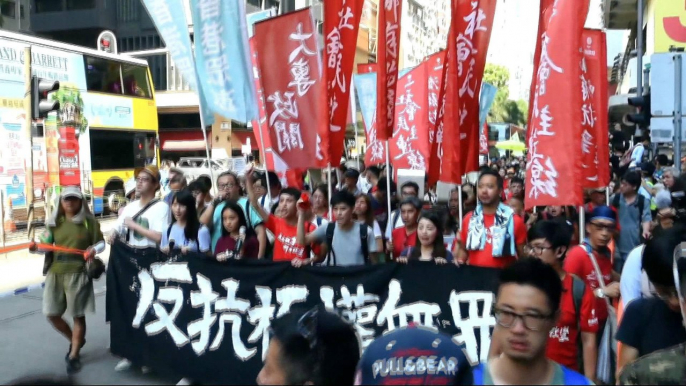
pixel 582 224
pixel 330 188
pixel 389 175
pixel 459 205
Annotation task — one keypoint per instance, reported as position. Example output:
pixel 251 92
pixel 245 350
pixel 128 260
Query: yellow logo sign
pixel 670 24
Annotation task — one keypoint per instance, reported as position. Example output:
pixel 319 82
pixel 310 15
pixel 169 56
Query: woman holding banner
pixel 67 286
pixel 430 239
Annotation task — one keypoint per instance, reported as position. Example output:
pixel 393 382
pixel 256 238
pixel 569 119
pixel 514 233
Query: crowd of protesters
pixel 565 291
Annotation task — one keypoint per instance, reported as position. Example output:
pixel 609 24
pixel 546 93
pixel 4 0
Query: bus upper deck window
pixel 136 81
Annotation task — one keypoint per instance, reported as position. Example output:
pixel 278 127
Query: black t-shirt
pixel 649 325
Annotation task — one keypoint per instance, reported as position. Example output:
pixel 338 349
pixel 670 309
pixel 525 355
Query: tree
pixel 504 110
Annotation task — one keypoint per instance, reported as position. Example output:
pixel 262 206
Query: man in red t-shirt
pixel 600 227
pixel 284 227
pixel 549 241
pixel 477 235
pixel 405 236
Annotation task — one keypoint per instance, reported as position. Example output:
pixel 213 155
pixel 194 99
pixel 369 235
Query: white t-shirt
pixel 155 218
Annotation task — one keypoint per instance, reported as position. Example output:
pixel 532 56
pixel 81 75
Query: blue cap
pixel 603 213
pixel 414 355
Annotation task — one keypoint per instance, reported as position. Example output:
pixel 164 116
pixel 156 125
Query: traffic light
pixel 40 104
pixel 642 103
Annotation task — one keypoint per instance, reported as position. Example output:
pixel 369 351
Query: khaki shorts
pixel 72 292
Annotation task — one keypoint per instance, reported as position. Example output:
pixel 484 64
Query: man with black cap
pixel 350 179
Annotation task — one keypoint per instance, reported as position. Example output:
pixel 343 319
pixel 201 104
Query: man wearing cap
pixel 600 226
pixel 350 179
pixel 67 286
pixel 434 350
pixel 143 220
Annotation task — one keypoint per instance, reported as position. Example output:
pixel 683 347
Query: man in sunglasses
pixel 316 348
pixel 655 323
pixel 572 342
pixel 526 310
pixel 600 227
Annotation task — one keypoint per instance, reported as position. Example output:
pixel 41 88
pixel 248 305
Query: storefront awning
pixel 195 145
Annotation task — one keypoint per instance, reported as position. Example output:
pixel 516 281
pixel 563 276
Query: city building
pixel 14 15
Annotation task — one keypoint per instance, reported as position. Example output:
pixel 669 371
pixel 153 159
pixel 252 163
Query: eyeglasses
pixel 531 322
pixel 670 294
pixel 604 227
pixel 307 326
pixel 142 179
pixel 534 249
pixel 225 186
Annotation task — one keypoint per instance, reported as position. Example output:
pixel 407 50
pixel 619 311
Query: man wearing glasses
pixel 600 227
pixel 526 310
pixel 228 188
pixel 577 325
pixel 655 323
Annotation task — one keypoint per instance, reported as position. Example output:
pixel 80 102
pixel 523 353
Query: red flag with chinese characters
pixel 341 24
pixel 388 53
pixel 376 150
pixel 290 71
pixel 446 130
pixel 537 56
pixel 475 22
pixel 409 144
pixel 434 83
pixel 553 169
pixel 594 136
pixel 260 126
pixel 364 68
pixel 483 140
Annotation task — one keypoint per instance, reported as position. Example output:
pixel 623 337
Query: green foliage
pixel 71 95
pixel 504 110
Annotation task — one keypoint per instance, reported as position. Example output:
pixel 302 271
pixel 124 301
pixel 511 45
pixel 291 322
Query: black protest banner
pixel 193 317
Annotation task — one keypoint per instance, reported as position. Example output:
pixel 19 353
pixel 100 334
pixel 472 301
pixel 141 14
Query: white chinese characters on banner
pixel 284 119
pixel 466 56
pixel 589 147
pixel 406 129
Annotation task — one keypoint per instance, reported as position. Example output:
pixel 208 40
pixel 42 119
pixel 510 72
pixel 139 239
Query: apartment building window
pixel 21 12
pixel 9 9
pixel 135 80
pixel 80 4
pixel 48 6
pixel 255 3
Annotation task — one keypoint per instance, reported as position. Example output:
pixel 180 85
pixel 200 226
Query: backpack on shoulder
pixel 331 254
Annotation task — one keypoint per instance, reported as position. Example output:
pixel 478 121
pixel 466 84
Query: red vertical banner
pixel 434 85
pixel 388 53
pixel 483 140
pixel 376 150
pixel 447 131
pixel 537 57
pixel 409 144
pixel 365 68
pixel 341 24
pixel 475 22
pixel 594 136
pixel 260 126
pixel 553 177
pixel 294 108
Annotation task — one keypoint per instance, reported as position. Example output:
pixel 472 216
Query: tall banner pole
pixel 459 205
pixel 389 175
pixel 328 183
pixel 28 122
pixel 582 224
pixel 607 196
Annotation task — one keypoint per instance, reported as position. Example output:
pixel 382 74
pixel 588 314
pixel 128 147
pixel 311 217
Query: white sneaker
pixel 123 365
pixel 145 369
pixel 184 382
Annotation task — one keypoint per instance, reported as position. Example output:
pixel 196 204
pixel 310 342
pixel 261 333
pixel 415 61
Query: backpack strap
pixel 641 205
pixel 396 216
pixel 330 228
pixel 615 201
pixel 248 220
pixel 363 240
pixel 578 289
pixel 140 213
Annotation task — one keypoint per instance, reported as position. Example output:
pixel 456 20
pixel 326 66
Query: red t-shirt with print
pixel 402 240
pixel 579 263
pixel 285 246
pixel 563 338
pixel 484 258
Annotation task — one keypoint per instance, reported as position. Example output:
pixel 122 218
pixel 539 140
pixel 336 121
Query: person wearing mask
pixel 373 174
pixel 405 236
pixel 201 192
pixel 316 347
pixel 600 226
pixel 185 229
pixel 431 246
pixel 228 188
pixel 284 226
pixel 655 323
pixel 67 286
pixel 320 205
pixel 364 215
pixel 232 221
pixel 668 366
pixel 408 189
pixel 634 216
pixel 491 235
pixel 526 311
pixel 413 338
pixel 574 335
pixel 348 242
pixel 259 184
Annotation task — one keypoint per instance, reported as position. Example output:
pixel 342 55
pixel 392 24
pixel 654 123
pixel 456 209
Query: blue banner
pixel 170 20
pixel 222 56
pixel 486 99
pixel 365 85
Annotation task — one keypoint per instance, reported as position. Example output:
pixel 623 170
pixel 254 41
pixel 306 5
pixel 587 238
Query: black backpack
pixel 331 228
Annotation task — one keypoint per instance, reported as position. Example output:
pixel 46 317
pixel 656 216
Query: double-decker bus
pixel 118 129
